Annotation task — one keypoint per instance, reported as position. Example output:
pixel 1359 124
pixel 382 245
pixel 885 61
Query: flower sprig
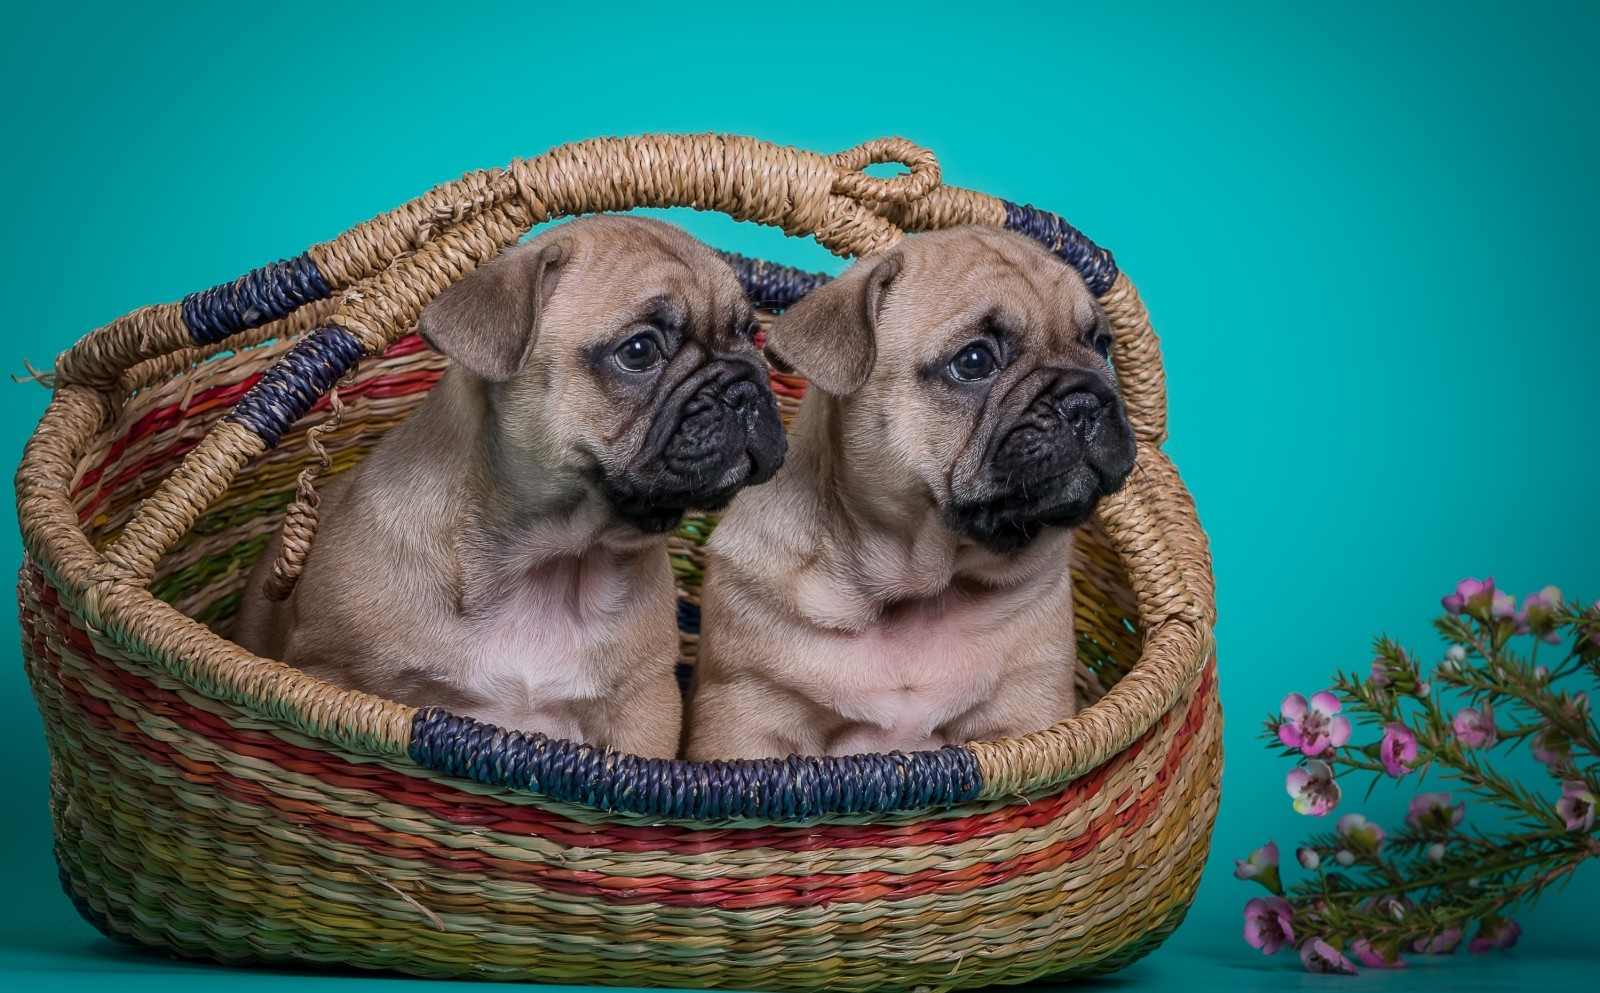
pixel 1370 895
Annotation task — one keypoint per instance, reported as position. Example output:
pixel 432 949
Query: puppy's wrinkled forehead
pixel 633 269
pixel 972 273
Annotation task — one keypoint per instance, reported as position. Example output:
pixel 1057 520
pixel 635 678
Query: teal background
pixel 1365 233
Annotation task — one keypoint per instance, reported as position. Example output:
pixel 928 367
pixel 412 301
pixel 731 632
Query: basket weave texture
pixel 227 807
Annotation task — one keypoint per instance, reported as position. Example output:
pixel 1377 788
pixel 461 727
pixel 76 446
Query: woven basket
pixel 224 806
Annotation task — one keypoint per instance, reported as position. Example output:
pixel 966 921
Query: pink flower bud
pixel 1268 924
pixel 1435 813
pixel 1398 749
pixel 1362 837
pixel 1443 943
pixel 1313 726
pixel 1576 805
pixel 1470 596
pixel 1474 727
pixel 1313 789
pixel 1319 956
pixel 1495 932
pixel 1386 956
pixel 1261 866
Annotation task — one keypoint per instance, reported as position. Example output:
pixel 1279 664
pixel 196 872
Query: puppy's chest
pixel 559 633
pixel 912 673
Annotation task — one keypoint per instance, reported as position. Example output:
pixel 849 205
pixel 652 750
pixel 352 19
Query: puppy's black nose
pixel 1080 411
pixel 742 396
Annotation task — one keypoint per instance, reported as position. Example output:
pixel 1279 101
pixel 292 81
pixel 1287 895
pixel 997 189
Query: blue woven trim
pixel 287 390
pixel 1093 263
pixel 258 297
pixel 793 789
pixel 688 617
pixel 773 287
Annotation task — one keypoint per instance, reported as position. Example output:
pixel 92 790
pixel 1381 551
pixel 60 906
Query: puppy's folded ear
pixel 831 335
pixel 487 322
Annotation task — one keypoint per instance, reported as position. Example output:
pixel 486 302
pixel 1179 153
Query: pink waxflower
pixel 1552 746
pixel 1312 786
pixel 1319 956
pixel 1576 805
pixel 1494 932
pixel 1383 956
pixel 1396 671
pixel 1262 866
pixel 1315 727
pixel 1503 607
pixel 1268 924
pixel 1398 749
pixel 1540 611
pixel 1474 726
pixel 1393 905
pixel 1361 837
pixel 1470 596
pixel 1435 813
pixel 1443 943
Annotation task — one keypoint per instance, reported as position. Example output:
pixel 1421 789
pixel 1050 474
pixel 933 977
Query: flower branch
pixel 1374 895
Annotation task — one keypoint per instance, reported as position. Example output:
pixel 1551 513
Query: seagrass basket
pixel 224 806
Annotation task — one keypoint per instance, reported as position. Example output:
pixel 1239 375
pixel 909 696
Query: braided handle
pixel 853 182
pixel 389 268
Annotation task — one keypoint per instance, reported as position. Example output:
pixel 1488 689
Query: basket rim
pixel 1161 546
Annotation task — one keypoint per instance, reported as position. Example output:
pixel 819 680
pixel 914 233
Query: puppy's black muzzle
pixel 717 433
pixel 1049 464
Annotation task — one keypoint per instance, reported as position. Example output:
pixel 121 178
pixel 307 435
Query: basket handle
pixel 266 298
pixel 417 251
pixel 410 255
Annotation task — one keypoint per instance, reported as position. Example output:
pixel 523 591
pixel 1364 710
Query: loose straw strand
pixel 300 520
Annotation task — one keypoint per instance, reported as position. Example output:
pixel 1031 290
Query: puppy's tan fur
pixel 470 562
pixel 841 613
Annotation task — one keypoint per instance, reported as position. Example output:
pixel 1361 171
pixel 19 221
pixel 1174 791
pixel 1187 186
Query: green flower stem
pixel 1535 698
pixel 1461 876
pixel 1478 877
pixel 1429 920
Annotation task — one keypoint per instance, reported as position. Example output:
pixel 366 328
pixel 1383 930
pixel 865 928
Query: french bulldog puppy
pixel 502 552
pixel 903 582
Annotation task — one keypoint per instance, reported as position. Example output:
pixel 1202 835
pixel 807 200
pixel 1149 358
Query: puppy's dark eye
pixel 638 354
pixel 1102 344
pixel 975 361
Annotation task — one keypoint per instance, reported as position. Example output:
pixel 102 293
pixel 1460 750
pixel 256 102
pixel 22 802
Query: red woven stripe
pixel 519 819
pixel 789 386
pixel 469 809
pixel 1128 813
pixel 161 419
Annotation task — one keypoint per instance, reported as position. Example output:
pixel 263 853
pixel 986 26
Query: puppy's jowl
pixel 903 582
pixel 502 552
